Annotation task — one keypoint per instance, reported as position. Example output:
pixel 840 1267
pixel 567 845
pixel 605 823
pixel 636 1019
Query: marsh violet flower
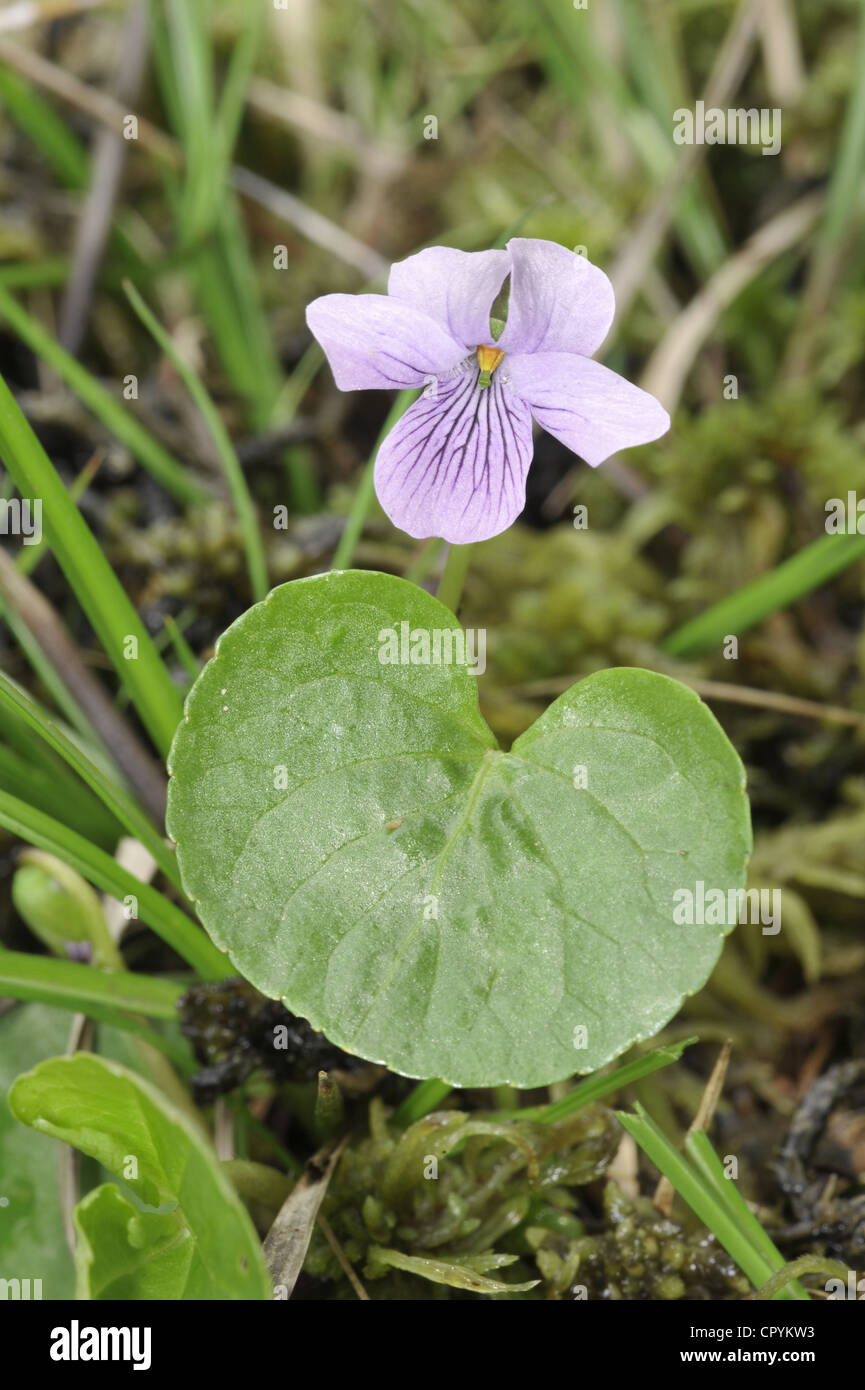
pixel 455 464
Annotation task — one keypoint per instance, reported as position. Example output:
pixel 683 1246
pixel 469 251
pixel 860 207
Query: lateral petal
pixel 373 342
pixel 592 410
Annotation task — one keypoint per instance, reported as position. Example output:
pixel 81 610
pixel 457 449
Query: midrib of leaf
pixel 491 758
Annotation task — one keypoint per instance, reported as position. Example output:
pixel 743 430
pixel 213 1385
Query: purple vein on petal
pixel 455 465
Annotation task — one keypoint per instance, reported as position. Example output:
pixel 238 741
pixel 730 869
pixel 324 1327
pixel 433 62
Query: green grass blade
pixel 69 985
pixel 421 1101
pixel 699 1195
pixel 699 1149
pixel 253 544
pixel 96 587
pixel 116 419
pixel 596 1087
pixel 121 805
pixel 58 794
pixel 181 648
pixel 46 672
pixel 175 928
pixel 38 120
pixel 207 214
pixel 191 56
pixel 788 582
pixel 845 184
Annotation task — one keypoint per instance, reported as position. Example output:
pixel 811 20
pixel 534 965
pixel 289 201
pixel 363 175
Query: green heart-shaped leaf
pixel 356 841
pixel 201 1244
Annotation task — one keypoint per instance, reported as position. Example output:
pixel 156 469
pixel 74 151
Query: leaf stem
pixel 454 576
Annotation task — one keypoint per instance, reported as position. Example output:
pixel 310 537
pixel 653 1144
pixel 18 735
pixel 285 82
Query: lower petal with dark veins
pixel 455 465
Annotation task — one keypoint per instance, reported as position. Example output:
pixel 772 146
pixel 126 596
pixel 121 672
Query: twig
pixel 109 156
pixel 631 265
pixel 311 224
pixel 313 118
pixel 718 690
pixel 107 112
pixel 782 52
pixel 97 105
pixel 673 358
pixel 342 1259
pixel 665 1192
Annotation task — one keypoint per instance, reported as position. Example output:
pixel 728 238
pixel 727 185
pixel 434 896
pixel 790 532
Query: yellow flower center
pixel 488 359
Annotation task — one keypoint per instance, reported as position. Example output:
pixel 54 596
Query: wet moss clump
pixel 451 1199
pixel 501 1208
pixel 643 1255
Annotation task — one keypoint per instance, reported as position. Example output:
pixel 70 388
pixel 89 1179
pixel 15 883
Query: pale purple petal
pixel 559 301
pixel 457 288
pixel 455 465
pixel 373 342
pixel 592 410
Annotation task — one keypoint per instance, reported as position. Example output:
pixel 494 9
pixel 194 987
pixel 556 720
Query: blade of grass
pixel 805 1264
pixel 845 185
pixel 65 154
pixel 842 210
pixel 69 985
pixel 207 212
pixel 419 1102
pixel 788 582
pixel 34 275
pixel 181 648
pixel 46 673
pixel 253 544
pixel 593 83
pixel 117 420
pixel 304 491
pixel 58 794
pixel 175 928
pixel 119 803
pixel 85 997
pixel 38 120
pixel 192 60
pixel 700 1196
pixel 596 1087
pixel 93 581
pixel 706 1161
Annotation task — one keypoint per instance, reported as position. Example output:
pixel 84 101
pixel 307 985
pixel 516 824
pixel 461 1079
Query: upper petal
pixel 455 465
pixel 374 342
pixel 559 301
pixel 457 288
pixel 592 410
